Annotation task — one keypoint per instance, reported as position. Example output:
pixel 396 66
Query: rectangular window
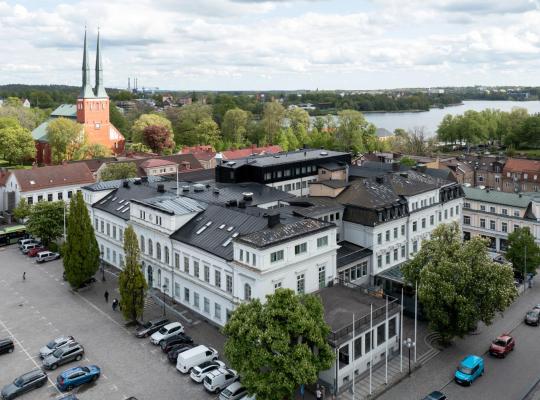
pixel 177 261
pixel 504 227
pixel 492 225
pixel 492 210
pixel 466 220
pixel 70 193
pixel 241 255
pixel 516 227
pixel 516 213
pixel 387 235
pixel 423 223
pixel 379 238
pixel 392 329
pixel 114 232
pixel 207 273
pixel 482 207
pixel 504 211
pixel 217 311
pixel 432 219
pixel 196 268
pixel 300 248
pixel 96 222
pixel 445 214
pixel 381 334
pixel 228 283
pixel 30 200
pixel 395 254
pixel 50 197
pixel 322 277
pixel 451 212
pixel 402 230
pixel 358 348
pixel 387 258
pixel 466 205
pixel 414 226
pixel 369 345
pixel 186 265
pixel 322 241
pixel 277 285
pixel 395 232
pixel 415 246
pixel 102 226
pixel 457 210
pixel 186 295
pixel 176 289
pixel 482 223
pixel 108 230
pixel 402 251
pixel 206 305
pixel 196 299
pixel 60 195
pixel 300 284
pixel 217 278
pixel 276 256
pixel 379 261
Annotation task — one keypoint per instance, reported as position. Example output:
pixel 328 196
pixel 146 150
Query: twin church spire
pixel 86 90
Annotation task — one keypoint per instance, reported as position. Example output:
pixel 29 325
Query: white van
pixel 195 356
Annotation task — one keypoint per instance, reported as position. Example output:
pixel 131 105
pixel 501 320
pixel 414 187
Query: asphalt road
pixel 515 377
pixel 42 307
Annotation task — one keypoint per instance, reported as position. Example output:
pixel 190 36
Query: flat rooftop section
pixel 349 253
pixel 283 158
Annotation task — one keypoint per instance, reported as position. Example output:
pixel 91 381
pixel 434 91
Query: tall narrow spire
pixel 86 89
pixel 100 89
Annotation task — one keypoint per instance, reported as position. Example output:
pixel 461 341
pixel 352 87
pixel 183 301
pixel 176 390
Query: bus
pixel 11 234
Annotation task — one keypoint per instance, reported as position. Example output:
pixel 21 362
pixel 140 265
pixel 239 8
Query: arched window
pixel 158 251
pixel 167 256
pixel 150 247
pixel 142 244
pixel 247 292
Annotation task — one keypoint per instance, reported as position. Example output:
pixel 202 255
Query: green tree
pixel 46 221
pixel 298 118
pixel 408 161
pixel 279 345
pixel 523 250
pixel 207 132
pixel 17 143
pixel 235 125
pixel 23 210
pixel 81 251
pixel 29 118
pixel 145 120
pixel 353 131
pixel 65 137
pixel 158 138
pixel 121 170
pixel 91 150
pixel 119 121
pixel 458 283
pixel 185 121
pixel 131 282
pixel 222 103
pixel 272 120
pixel 13 102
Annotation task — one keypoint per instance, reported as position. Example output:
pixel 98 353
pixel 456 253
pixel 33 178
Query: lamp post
pixel 164 290
pixel 102 266
pixel 409 344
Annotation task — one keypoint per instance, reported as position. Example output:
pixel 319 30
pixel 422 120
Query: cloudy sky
pixel 279 44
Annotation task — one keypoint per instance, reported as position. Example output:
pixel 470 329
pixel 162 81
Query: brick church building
pixel 91 111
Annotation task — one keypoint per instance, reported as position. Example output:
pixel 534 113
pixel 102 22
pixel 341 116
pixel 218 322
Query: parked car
pixel 436 395
pixel 69 396
pixel 29 246
pixel 235 391
pixel 532 317
pixel 194 357
pixel 173 354
pixel 165 332
pixel 6 346
pixel 470 368
pixel 199 372
pixel 150 327
pixel 24 383
pixel 167 344
pixel 22 242
pixel 219 379
pixel 62 355
pixel 502 345
pixel 54 344
pixel 34 252
pixel 44 256
pixel 77 376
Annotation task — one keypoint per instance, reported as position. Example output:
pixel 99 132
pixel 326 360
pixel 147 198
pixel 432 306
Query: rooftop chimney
pixel 161 188
pixel 273 220
pixel 125 184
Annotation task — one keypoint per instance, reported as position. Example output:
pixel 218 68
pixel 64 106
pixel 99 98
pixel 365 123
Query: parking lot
pixel 42 307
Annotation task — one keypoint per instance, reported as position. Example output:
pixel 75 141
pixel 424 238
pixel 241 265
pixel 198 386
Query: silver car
pixel 62 355
pixel 54 344
pixel 44 256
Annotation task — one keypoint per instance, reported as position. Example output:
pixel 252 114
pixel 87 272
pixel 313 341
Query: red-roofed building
pixel 521 175
pixel 249 151
pixel 50 183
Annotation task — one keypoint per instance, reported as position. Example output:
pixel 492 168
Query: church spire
pixel 100 89
pixel 86 89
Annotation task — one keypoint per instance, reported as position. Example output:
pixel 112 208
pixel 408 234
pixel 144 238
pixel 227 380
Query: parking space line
pixel 19 342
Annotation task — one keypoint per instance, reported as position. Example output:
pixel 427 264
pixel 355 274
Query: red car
pixel 501 346
pixel 35 251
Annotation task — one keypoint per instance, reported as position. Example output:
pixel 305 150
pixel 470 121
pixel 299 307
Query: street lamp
pixel 409 344
pixel 102 266
pixel 164 290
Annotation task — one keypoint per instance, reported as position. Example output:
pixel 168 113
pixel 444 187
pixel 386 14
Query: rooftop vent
pixel 241 204
pixel 248 196
pixel 232 203
pixel 125 184
pixel 216 191
pixel 198 187
pixel 324 153
pixel 161 188
pixel 185 188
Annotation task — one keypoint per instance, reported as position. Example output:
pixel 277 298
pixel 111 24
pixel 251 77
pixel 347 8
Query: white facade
pixel 297 186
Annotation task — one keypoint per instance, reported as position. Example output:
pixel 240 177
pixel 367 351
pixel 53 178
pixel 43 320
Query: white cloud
pixel 249 44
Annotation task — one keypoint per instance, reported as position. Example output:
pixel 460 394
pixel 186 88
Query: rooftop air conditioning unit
pixel 198 187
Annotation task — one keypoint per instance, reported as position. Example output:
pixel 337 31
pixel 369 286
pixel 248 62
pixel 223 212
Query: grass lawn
pixel 5 164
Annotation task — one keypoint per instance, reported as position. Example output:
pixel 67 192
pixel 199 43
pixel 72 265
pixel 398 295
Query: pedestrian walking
pixel 24 276
pixel 106 296
pixel 318 393
pixel 114 304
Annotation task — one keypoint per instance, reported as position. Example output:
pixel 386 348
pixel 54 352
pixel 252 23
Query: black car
pixel 6 346
pixel 167 344
pixel 436 395
pixel 150 327
pixel 172 355
pixel 24 383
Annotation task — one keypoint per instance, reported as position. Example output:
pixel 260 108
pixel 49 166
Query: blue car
pixel 470 368
pixel 77 376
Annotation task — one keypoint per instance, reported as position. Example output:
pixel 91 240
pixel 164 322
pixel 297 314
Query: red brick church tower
pixel 93 107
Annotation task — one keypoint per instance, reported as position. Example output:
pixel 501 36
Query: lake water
pixel 430 119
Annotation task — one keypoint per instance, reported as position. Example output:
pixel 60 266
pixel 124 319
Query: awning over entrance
pixel 393 274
